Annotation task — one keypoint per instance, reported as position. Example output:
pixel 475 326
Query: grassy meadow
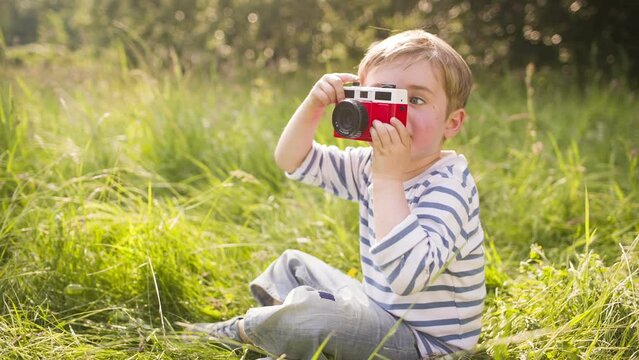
pixel 133 199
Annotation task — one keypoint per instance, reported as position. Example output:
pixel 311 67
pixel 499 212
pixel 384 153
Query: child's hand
pixel 391 149
pixel 329 89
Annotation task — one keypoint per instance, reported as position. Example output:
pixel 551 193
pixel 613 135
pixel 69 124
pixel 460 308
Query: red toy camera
pixel 353 117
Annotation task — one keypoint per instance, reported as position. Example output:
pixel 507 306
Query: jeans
pixel 319 302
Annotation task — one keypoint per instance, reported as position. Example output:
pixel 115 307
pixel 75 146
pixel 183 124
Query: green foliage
pixel 131 200
pixel 214 34
pixel 290 35
pixel 594 310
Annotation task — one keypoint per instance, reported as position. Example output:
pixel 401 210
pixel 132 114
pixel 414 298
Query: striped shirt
pixel 429 269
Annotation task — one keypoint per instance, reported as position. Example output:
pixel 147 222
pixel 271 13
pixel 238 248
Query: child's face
pixel 427 119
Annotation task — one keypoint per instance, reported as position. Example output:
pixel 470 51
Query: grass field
pixel 131 200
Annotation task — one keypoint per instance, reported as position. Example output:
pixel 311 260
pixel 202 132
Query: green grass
pixel 131 200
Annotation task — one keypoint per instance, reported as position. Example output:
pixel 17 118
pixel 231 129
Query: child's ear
pixel 454 123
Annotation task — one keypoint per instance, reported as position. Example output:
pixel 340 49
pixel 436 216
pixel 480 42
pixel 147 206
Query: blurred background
pixel 137 185
pixel 579 37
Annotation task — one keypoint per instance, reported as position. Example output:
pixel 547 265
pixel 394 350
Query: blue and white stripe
pixel 429 269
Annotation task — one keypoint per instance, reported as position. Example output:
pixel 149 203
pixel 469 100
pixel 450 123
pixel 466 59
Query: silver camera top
pixel 384 94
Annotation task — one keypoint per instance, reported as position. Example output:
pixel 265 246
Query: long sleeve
pixel 340 172
pixel 419 247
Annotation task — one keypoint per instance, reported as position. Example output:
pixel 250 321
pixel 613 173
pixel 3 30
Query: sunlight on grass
pixel 131 201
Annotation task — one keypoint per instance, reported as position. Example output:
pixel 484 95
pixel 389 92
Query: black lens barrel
pixel 350 118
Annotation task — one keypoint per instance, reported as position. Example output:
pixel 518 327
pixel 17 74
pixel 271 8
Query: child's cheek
pixel 426 136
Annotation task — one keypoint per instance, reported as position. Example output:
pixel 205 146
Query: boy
pixel 420 234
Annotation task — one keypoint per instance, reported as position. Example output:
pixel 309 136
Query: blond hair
pixel 419 45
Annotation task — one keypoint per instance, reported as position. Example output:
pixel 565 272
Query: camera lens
pixel 350 118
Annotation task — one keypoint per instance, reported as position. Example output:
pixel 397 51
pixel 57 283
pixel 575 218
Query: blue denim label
pixel 325 295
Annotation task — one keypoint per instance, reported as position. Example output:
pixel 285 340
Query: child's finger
pixel 404 135
pixel 382 133
pixel 347 77
pixel 328 91
pixel 376 143
pixel 393 134
pixel 388 133
pixel 337 83
pixel 331 84
pixel 320 96
pixel 337 80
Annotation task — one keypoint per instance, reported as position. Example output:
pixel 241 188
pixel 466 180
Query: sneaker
pixel 223 330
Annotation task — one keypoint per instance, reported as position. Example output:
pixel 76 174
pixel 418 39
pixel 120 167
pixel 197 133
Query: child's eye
pixel 416 101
